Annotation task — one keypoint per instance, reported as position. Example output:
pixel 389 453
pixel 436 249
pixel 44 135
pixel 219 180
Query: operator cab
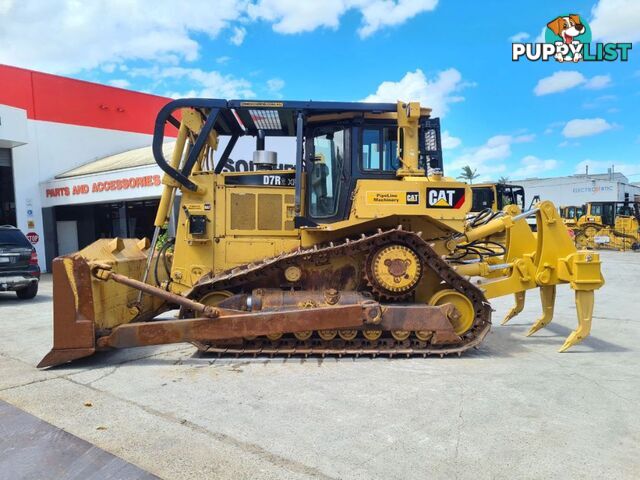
pixel 335 145
pixel 572 212
pixel 608 211
pixel 496 196
pixel 336 156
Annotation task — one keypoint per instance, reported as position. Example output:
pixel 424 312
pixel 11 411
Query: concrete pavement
pixel 512 409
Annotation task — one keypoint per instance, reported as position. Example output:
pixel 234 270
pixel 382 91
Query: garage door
pixel 5 157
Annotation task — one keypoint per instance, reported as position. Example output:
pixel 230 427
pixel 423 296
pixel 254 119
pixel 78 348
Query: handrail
pixel 166 115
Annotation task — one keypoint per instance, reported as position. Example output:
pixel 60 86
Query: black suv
pixel 19 270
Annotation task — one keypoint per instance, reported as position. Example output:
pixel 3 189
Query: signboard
pixel 146 181
pixel 33 237
pixel 104 186
pixel 393 198
pixel 142 182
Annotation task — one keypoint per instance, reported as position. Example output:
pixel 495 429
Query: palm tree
pixel 503 180
pixel 468 173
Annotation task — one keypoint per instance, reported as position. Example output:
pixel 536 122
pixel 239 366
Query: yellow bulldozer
pixel 496 196
pixel 363 248
pixel 571 214
pixel 490 199
pixel 604 225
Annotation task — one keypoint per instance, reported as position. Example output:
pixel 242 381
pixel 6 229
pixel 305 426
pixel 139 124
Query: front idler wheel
pixel 462 316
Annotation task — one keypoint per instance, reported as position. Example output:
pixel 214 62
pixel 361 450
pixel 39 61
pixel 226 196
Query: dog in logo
pixel 567 28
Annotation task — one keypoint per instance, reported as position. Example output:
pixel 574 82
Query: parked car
pixel 19 270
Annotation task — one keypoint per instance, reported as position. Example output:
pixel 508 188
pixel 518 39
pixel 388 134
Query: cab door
pixel 328 171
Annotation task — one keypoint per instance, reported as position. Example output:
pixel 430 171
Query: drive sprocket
pixel 393 271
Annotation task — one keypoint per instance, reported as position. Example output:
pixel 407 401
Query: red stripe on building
pixel 58 99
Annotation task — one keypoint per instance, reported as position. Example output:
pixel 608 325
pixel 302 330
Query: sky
pixel 504 118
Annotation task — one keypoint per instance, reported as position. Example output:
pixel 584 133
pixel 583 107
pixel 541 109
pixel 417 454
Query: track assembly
pixel 407 255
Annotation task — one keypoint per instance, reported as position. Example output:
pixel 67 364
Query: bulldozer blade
pixel 73 315
pixel 516 309
pixel 548 300
pixel 84 305
pixel 584 308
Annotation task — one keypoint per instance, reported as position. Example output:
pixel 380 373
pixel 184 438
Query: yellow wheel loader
pixel 363 248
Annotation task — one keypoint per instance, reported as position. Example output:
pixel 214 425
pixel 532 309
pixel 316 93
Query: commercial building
pixel 61 180
pixel 580 189
pixel 76 161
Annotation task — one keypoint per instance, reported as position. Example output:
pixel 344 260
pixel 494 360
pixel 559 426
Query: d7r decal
pixel 445 197
pixel 264 180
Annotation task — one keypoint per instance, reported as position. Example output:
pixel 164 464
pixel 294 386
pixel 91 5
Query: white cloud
pixel 223 60
pixel 202 83
pixel 437 93
pixel 296 16
pixel 67 36
pixel 529 137
pixel 616 21
pixel 488 158
pixel 108 67
pixel 382 13
pixel 119 82
pixel 600 101
pixel 584 127
pixel 238 35
pixel 597 82
pixel 449 141
pixel 519 37
pixel 531 166
pixel 599 166
pixel 568 79
pixel 275 85
pixel 553 127
pixel 558 82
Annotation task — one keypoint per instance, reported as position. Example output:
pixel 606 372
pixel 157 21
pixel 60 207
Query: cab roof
pixel 278 117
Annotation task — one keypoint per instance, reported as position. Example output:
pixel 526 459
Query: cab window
pixel 518 196
pixel 511 195
pixel 482 199
pixel 325 176
pixel 379 149
pixel 624 209
pixel 608 213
